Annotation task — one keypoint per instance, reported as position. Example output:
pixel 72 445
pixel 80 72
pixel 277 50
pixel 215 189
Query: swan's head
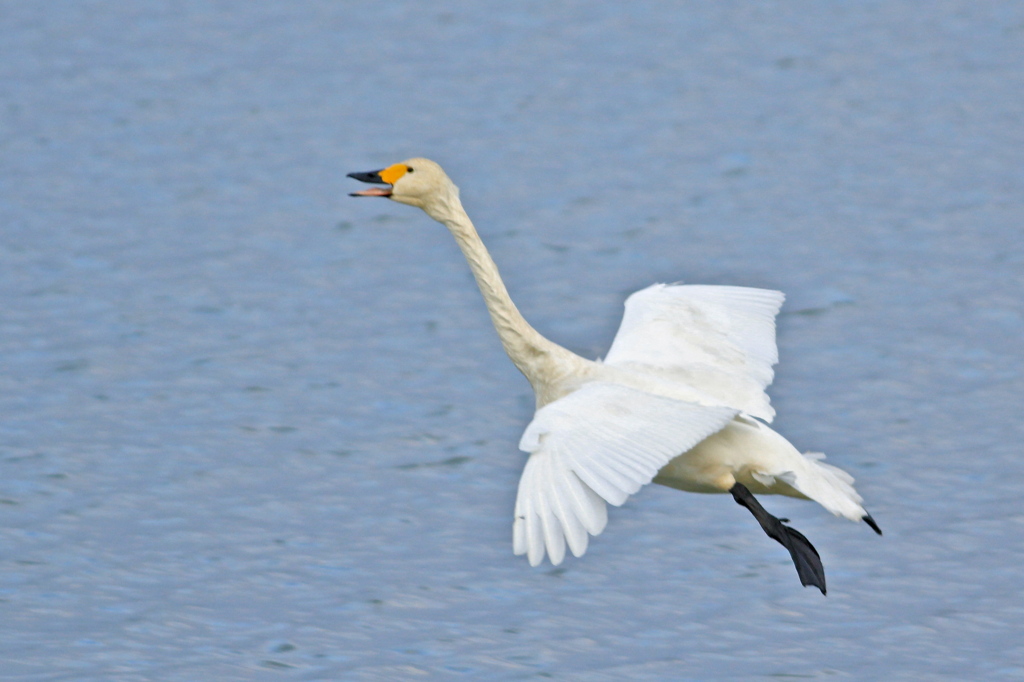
pixel 417 182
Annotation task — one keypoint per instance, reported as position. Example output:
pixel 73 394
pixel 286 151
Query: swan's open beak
pixel 374 177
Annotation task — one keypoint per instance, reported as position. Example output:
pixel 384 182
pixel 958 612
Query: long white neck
pixel 540 360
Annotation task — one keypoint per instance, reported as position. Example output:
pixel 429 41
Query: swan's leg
pixel 805 557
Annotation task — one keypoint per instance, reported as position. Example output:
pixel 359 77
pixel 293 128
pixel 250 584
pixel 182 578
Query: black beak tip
pixel 371 177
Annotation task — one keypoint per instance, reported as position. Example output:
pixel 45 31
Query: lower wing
pixel 599 444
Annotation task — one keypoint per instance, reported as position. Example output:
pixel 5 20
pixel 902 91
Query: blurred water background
pixel 252 429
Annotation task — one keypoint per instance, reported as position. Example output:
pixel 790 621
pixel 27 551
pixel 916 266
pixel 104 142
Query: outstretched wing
pixel 719 340
pixel 599 444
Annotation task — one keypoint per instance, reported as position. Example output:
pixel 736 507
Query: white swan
pixel 679 400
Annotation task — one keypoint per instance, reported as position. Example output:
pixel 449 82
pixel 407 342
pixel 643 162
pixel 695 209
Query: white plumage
pixel 676 401
pixel 599 444
pixel 718 340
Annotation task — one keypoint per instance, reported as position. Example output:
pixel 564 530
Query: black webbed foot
pixel 871 522
pixel 805 557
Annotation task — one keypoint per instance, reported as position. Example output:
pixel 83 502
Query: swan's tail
pixel 831 487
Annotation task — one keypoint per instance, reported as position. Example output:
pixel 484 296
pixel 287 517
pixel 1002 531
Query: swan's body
pixel 679 400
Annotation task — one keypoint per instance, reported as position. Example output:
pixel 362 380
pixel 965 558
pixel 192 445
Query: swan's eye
pixel 409 169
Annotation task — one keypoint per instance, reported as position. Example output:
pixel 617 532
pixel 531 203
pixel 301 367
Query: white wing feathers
pixel 719 340
pixel 600 443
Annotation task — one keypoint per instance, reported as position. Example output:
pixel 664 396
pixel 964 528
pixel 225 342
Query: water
pixel 256 430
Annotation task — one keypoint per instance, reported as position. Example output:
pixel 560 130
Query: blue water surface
pixel 253 429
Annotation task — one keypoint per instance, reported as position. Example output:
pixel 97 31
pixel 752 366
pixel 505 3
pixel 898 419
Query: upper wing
pixel 719 340
pixel 600 443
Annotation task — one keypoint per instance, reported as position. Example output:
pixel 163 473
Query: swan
pixel 678 400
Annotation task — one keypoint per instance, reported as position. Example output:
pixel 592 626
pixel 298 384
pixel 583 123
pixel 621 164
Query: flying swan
pixel 679 400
